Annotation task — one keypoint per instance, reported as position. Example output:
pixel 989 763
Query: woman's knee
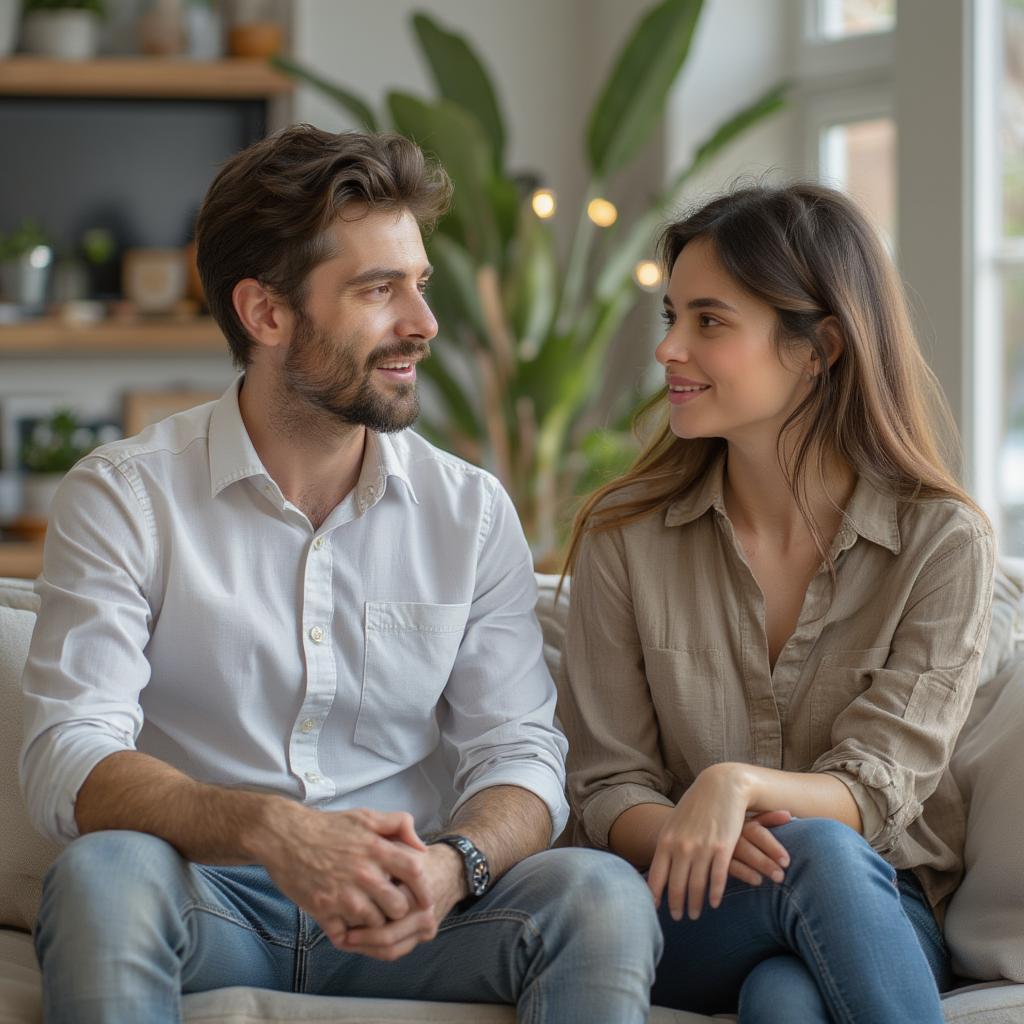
pixel 781 989
pixel 812 842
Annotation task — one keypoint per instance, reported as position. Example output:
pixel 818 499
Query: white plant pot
pixel 9 12
pixel 64 34
pixel 37 491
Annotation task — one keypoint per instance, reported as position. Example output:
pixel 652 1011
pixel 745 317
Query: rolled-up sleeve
pixel 500 696
pixel 86 664
pixel 604 701
pixel 893 743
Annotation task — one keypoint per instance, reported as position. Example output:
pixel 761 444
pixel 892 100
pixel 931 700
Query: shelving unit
pixel 126 78
pixel 143 78
pixel 52 337
pixel 23 559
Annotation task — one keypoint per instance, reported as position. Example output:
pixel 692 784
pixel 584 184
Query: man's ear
pixel 831 338
pixel 266 318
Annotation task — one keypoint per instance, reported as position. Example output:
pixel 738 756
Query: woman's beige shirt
pixel 665 667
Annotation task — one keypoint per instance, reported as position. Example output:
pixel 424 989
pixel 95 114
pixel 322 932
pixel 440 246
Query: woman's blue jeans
pixel 126 925
pixel 845 938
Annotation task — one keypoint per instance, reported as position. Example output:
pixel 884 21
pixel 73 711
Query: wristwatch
pixel 478 873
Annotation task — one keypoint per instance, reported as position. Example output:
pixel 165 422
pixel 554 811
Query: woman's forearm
pixel 803 794
pixel 634 833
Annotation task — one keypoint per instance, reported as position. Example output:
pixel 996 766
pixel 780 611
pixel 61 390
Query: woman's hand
pixel 758 853
pixel 698 841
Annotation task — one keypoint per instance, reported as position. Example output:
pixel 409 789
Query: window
pixel 999 268
pixel 840 18
pixel 846 68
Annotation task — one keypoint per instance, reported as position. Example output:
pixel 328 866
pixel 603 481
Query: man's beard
pixel 323 372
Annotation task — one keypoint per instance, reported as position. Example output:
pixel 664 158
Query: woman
pixel 776 624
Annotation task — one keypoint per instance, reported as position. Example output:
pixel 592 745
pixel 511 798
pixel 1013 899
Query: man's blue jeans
pixel 126 925
pixel 844 938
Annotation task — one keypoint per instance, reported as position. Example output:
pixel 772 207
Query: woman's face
pixel 724 376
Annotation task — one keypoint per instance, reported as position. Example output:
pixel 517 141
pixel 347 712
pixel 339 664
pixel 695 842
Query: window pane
pixel 1011 455
pixel 1011 116
pixel 839 18
pixel 860 158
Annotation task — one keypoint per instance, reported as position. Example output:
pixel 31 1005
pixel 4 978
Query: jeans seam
pixel 217 911
pixel 516 917
pixel 825 974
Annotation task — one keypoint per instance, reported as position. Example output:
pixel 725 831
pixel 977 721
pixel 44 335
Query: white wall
pixel 549 59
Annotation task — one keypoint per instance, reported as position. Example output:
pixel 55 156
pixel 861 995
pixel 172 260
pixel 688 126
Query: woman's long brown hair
pixel 808 252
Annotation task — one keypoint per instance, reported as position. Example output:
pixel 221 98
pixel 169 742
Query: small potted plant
pixel 65 29
pixel 52 447
pixel 25 259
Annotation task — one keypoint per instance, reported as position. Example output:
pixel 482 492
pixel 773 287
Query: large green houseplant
pixel 524 337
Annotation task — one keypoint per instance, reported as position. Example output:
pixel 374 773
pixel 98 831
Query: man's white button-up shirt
pixel 390 659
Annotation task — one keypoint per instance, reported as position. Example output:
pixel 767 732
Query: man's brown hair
pixel 268 210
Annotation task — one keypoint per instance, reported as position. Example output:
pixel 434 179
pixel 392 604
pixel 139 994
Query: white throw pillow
pixel 24 854
pixel 985 919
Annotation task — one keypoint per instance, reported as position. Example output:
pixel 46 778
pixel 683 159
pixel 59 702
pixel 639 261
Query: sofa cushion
pixel 985 919
pixel 24 855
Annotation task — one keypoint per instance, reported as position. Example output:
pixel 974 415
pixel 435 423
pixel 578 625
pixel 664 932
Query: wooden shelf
pixel 143 77
pixel 23 559
pixel 52 337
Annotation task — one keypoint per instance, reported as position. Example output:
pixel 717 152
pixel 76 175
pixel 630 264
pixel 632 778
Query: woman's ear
pixel 831 338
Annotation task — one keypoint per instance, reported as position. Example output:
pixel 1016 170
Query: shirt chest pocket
pixel 841 678
pixel 686 688
pixel 410 650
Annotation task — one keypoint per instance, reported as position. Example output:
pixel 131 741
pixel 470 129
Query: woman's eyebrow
pixel 711 304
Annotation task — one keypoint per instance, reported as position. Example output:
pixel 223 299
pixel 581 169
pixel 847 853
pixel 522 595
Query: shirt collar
pixel 233 456
pixel 870 513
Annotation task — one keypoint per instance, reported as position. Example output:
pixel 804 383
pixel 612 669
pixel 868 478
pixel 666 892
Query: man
pixel 265 622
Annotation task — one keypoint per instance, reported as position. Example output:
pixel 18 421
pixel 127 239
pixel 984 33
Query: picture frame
pixel 144 408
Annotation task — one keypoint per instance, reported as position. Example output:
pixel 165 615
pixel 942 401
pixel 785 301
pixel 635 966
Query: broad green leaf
pixel 457 406
pixel 639 242
pixel 764 106
pixel 608 454
pixel 456 139
pixel 357 107
pixel 453 290
pixel 634 97
pixel 505 200
pixel 460 77
pixel 531 282
pixel 543 378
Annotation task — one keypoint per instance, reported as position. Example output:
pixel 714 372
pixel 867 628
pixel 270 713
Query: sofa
pixel 984 926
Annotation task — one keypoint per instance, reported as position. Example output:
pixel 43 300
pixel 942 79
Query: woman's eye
pixel 707 321
pixel 669 318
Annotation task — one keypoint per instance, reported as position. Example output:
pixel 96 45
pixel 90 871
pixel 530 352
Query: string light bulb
pixel 543 203
pixel 647 275
pixel 602 212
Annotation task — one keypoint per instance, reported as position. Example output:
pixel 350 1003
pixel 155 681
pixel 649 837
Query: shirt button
pixel 316 634
pixel 308 725
pixel 318 543
pixel 312 777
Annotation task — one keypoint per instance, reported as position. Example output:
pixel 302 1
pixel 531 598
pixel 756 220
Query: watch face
pixel 480 875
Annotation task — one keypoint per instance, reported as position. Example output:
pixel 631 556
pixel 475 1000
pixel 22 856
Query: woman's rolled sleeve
pixel 604 702
pixel 893 743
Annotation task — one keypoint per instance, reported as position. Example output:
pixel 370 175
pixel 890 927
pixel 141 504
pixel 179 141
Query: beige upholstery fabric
pixel 24 855
pixel 985 919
